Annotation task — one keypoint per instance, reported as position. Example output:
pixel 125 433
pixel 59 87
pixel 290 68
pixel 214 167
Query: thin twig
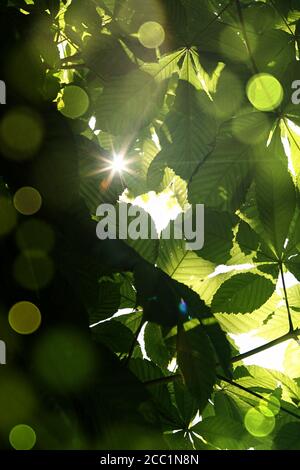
pixel 291 326
pixel 282 17
pixel 134 342
pixel 290 335
pixel 255 394
pixel 173 378
pixel 163 380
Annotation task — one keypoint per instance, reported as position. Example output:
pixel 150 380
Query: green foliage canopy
pixel 86 83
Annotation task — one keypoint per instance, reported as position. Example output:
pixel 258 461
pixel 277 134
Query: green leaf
pixel 106 56
pixel 246 322
pixel 93 173
pixel 182 264
pixel 276 201
pixel 218 236
pixel 179 440
pixel 108 301
pixel 136 176
pixel 190 130
pixel 251 243
pixel 131 320
pixel 155 346
pixel 185 402
pixel 291 108
pixel 277 45
pixel 242 293
pixel 164 300
pixel 223 433
pixel 180 116
pixel 251 128
pixel 220 343
pixel 288 437
pixel 226 407
pixel 109 5
pixel 165 67
pixel 127 292
pixel 82 14
pixel 177 185
pixel 114 335
pixel 260 16
pixel 292 252
pixel 294 266
pixel 145 370
pixel 247 238
pixel 222 180
pixel 224 41
pixel 119 223
pixel 128 104
pixel 195 358
pixel 225 106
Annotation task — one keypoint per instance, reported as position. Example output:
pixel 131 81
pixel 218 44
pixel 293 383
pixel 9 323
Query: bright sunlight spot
pixel 162 207
pixel 272 358
pixel 92 123
pixel 118 164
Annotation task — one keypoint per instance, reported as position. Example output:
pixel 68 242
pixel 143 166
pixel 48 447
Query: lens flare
pixel 27 200
pixel 183 307
pixel 258 424
pixel 24 317
pixel 118 164
pixel 265 92
pixel 22 437
pixel 151 34
pixel 74 102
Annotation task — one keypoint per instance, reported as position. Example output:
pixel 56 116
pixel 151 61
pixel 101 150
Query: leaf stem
pixel 290 335
pixel 282 17
pixel 291 326
pixel 172 378
pixel 245 35
pixel 255 394
pixel 163 380
pixel 134 342
pixel 217 17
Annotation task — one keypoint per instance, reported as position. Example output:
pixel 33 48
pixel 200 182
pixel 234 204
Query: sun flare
pixel 118 164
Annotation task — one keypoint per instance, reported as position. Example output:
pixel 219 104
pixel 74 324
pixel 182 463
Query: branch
pixel 175 377
pixel 162 380
pixel 290 335
pixel 257 395
pixel 291 326
pixel 134 342
pixel 264 347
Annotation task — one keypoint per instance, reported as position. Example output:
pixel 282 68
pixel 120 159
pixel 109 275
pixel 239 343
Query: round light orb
pixel 22 437
pixel 74 102
pixel 258 424
pixel 27 200
pixel 151 34
pixel 265 92
pixel 24 318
